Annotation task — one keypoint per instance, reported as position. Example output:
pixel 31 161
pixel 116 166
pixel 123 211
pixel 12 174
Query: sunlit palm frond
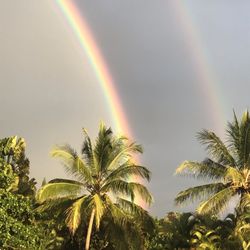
pixel 142 192
pixel 58 188
pixel 244 204
pixel 73 213
pixel 118 215
pixel 234 176
pixel 131 207
pixel 206 169
pixel 122 152
pixel 73 164
pixel 103 147
pixel 198 192
pixel 59 205
pixel 129 189
pixel 127 170
pixel 120 187
pixel 65 152
pixel 216 147
pixel 99 207
pixel 217 202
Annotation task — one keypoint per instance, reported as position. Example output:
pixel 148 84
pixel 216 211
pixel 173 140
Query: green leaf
pixel 198 192
pixel 217 202
pixel 59 189
pixel 74 214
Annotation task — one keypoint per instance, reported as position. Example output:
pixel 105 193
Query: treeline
pixel 96 207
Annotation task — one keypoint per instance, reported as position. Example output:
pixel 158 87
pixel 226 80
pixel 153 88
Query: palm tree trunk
pixel 91 220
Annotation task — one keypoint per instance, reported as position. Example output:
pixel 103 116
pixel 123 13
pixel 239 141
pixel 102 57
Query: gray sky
pixel 49 90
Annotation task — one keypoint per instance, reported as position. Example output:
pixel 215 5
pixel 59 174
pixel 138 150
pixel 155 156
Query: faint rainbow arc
pixel 209 84
pixel 83 33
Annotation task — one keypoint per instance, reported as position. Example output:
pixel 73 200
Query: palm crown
pixel 228 168
pixel 101 179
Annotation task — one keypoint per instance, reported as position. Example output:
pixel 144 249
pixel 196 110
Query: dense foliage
pixel 96 209
pixel 12 153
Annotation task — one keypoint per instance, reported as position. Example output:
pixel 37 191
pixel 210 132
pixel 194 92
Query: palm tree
pixel 228 168
pixel 101 181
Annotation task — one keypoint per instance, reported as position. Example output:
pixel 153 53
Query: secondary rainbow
pixel 85 37
pixel 208 81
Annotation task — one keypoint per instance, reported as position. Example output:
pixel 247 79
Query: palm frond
pixel 99 209
pixel 206 169
pixel 234 176
pixel 131 207
pixel 103 147
pixel 74 215
pixel 198 192
pixel 73 164
pixel 233 132
pixel 142 192
pixel 87 150
pixel 65 152
pixel 244 204
pixel 61 188
pixel 127 170
pixel 216 148
pixel 130 189
pixel 121 227
pixel 118 215
pixel 122 152
pixel 239 138
pixel 217 202
pixel 58 205
pixel 245 138
pixel 129 216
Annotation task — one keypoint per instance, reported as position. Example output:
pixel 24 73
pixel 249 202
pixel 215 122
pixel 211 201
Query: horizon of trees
pixel 95 208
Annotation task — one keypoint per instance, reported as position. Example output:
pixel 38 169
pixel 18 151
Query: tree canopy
pixel 101 184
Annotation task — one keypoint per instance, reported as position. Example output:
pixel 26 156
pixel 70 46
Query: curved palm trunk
pixel 91 220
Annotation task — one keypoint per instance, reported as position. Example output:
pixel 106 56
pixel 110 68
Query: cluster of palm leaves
pixel 102 189
pixel 228 170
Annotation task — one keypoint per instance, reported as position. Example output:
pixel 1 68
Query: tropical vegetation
pixel 101 186
pixel 227 167
pixel 97 207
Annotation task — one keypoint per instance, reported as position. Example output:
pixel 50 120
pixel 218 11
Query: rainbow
pixel 208 82
pixel 88 44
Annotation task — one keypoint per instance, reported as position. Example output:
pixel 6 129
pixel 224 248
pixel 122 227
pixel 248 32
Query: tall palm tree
pixel 228 168
pixel 101 181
